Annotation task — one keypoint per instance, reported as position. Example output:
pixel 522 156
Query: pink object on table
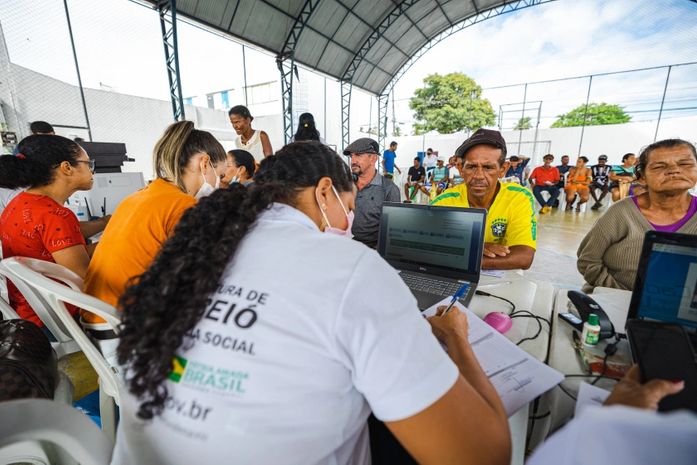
pixel 501 322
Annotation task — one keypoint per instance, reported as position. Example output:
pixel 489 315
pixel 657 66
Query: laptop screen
pixel 669 284
pixel 446 238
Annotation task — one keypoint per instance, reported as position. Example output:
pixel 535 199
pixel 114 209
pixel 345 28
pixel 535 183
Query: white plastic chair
pixel 64 344
pixel 39 431
pixel 7 312
pixel 35 275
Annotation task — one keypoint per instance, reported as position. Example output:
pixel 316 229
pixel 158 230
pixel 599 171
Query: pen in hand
pixel 460 292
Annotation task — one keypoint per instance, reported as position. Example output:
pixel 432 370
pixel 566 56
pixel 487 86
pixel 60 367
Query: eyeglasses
pixel 91 163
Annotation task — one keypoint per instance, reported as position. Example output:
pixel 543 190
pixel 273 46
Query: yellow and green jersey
pixel 510 220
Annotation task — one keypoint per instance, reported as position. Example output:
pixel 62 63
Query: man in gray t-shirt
pixel 373 190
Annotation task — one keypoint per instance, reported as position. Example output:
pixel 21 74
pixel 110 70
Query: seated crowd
pixel 254 248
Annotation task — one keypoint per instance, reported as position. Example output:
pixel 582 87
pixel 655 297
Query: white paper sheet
pixel 494 273
pixel 589 395
pixel 516 375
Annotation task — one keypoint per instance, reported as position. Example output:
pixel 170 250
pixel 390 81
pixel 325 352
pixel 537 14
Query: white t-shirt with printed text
pixel 306 334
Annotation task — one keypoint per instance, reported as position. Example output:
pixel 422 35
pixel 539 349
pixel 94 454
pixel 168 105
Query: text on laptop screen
pixel 435 236
pixel 670 285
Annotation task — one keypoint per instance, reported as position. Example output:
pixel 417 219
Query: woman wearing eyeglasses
pixel 35 223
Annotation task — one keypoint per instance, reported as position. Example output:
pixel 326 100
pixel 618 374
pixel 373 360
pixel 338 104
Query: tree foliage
pixel 450 103
pixel 523 123
pixel 595 114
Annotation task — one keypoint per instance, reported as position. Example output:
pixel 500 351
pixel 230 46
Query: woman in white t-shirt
pixel 262 335
pixel 253 141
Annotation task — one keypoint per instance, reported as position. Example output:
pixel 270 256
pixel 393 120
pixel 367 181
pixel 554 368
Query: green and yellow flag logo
pixel 178 368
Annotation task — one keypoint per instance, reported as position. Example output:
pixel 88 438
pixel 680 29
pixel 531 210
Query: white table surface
pixel 535 297
pixel 563 357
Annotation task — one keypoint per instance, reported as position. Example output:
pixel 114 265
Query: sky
pixel 569 38
pixel 119 48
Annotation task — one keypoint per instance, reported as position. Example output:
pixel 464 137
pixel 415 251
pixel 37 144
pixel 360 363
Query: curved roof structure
pixel 365 42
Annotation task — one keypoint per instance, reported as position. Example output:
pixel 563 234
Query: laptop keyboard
pixel 417 282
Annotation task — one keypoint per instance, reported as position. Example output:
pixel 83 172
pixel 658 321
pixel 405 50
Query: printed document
pixel 518 377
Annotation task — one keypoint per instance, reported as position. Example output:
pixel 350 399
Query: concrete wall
pixel 138 122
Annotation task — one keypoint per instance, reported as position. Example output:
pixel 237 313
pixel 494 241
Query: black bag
pixel 28 366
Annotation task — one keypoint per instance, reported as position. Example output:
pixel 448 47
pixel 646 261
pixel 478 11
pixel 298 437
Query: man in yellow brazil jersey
pixel 511 227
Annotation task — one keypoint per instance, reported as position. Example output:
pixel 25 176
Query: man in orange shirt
pixel 545 178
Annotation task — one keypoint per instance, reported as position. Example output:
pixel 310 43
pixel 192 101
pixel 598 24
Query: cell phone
pixel 571 319
pixel 664 351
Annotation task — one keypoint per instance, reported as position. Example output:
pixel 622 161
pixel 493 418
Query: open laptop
pixel 435 249
pixel 666 284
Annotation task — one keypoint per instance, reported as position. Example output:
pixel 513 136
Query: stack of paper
pixel 517 376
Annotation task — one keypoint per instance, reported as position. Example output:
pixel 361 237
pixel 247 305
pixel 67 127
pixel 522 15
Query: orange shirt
pixel 137 229
pixel 542 174
pixel 575 177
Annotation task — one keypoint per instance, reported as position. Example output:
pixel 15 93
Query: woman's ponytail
pixel 177 145
pixel 15 172
pixel 38 156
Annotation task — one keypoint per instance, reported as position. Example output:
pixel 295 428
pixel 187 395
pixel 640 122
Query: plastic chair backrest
pixel 52 433
pixel 4 295
pixel 57 296
pixel 6 310
pixel 64 344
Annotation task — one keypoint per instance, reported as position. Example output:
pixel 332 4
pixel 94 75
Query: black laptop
pixel 666 284
pixel 437 250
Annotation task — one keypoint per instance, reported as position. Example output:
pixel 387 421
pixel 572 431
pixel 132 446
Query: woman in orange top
pixel 578 181
pixel 188 164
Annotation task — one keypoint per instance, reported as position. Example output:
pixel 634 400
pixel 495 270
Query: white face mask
pixel 349 216
pixel 236 177
pixel 206 189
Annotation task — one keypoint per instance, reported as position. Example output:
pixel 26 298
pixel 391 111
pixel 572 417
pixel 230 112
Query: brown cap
pixel 482 137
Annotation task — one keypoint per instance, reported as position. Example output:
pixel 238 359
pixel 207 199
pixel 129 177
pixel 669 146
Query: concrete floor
pixel 558 235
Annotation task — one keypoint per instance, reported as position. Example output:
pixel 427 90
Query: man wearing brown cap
pixel 511 227
pixel 373 190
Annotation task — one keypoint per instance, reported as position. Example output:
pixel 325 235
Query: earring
pixel 324 206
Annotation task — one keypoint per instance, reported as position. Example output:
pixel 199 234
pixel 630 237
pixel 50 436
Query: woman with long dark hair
pixel 262 334
pixel 307 130
pixel 35 223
